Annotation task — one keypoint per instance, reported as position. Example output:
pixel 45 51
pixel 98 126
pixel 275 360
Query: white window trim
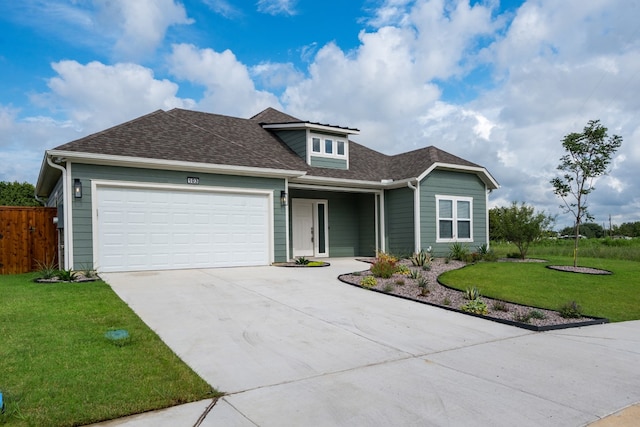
pixel 322 153
pixel 454 200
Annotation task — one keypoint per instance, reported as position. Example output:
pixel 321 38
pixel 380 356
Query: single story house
pixel 184 189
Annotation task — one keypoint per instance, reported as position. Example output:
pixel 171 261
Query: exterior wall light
pixel 77 188
pixel 283 198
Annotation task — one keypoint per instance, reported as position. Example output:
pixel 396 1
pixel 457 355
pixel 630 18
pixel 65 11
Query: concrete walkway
pixel 294 346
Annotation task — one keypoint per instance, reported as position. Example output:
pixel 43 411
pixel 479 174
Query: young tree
pixel 521 225
pixel 588 155
pixel 17 194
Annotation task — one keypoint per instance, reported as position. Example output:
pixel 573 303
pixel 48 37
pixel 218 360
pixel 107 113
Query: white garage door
pixel 153 229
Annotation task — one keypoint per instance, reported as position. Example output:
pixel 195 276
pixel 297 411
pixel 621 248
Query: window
pixel 316 145
pixel 454 219
pixel 328 146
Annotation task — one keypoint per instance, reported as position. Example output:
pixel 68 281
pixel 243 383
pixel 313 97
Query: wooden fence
pixel 28 236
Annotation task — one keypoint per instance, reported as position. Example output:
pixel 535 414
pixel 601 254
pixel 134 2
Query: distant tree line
pixel 593 230
pixel 17 194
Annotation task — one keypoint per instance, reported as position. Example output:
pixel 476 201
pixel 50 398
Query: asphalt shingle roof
pixel 190 136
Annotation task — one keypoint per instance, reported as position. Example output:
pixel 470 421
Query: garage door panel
pixel 143 229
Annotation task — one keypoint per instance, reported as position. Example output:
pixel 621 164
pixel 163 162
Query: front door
pixel 309 228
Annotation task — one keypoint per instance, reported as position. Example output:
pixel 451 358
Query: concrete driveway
pixel 294 346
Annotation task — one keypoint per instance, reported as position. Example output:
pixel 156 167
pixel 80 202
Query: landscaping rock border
pixel 438 293
pixel 293 264
pixel 580 270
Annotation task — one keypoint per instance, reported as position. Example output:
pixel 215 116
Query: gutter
pixel 67 209
pixel 416 214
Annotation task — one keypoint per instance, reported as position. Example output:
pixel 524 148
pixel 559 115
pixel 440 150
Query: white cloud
pixel 277 7
pixel 141 24
pixel 229 87
pixel 96 96
pixel 276 75
pixel 224 8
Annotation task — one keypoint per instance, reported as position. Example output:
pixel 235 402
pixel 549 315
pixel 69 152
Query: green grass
pixel 588 248
pixel 616 297
pixel 58 369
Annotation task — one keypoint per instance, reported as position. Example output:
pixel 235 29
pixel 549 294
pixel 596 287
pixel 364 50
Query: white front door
pixel 310 228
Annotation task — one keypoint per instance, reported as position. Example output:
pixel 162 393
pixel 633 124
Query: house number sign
pixel 193 180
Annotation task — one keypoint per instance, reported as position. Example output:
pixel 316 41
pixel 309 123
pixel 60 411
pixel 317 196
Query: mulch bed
pixel 442 296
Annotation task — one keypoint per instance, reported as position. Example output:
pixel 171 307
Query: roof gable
pixel 271 115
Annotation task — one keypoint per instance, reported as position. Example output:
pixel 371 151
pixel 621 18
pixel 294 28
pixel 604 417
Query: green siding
pixel 82 210
pixel 399 219
pixel 367 225
pixel 449 183
pixel 324 162
pixel 296 140
pixel 351 221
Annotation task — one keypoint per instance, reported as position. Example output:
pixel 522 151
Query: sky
pixel 498 83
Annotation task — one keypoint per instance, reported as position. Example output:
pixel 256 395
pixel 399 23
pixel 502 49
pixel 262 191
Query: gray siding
pixel 296 140
pixel 324 162
pixel 449 183
pixel 82 210
pixel 399 221
pixel 351 221
pixel 366 225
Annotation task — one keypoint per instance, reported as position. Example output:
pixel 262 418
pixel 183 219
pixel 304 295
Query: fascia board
pixel 313 126
pixel 482 173
pixel 337 182
pixel 124 161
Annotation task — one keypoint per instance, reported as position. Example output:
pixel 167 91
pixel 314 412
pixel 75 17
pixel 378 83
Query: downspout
pixel 416 214
pixel 67 209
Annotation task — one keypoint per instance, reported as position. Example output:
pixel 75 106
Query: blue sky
pixel 496 82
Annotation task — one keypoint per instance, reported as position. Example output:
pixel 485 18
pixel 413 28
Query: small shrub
pixel 570 310
pixel 47 269
pixel 384 266
pixel 302 261
pixel 458 251
pixel 357 273
pixel 500 306
pixel 537 314
pixel 472 293
pixel 88 272
pixel 526 317
pixel 66 275
pixel 472 257
pixel 424 291
pixel 490 256
pixel 426 267
pixel 446 301
pixel 522 317
pixel 421 259
pixel 315 264
pixel 400 282
pixel 382 256
pixel 403 269
pixel 514 255
pixel 415 274
pixel 476 306
pixel 368 282
pixel 388 287
pixel 483 249
pixel 423 282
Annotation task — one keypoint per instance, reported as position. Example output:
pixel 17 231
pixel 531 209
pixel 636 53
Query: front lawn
pixel 57 367
pixel 616 296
